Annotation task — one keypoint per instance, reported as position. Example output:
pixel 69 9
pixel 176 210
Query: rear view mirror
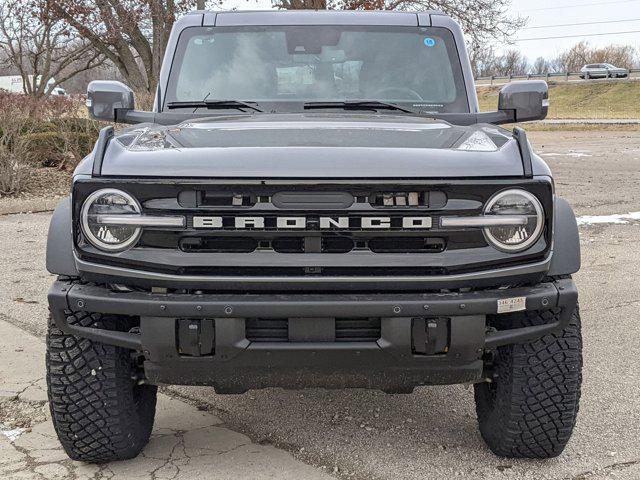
pixel 526 100
pixel 108 100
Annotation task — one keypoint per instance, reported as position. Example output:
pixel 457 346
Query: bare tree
pixel 483 59
pixel 481 20
pixel 573 59
pixel 582 53
pixel 623 56
pixel 511 62
pixel 40 48
pixel 541 66
pixel 131 34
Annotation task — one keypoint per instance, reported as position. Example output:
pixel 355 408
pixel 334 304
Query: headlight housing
pixel 110 238
pixel 517 203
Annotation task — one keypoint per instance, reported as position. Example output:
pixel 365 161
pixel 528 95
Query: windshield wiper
pixel 215 105
pixel 357 105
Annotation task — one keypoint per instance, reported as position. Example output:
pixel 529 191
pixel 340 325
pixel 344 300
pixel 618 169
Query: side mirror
pixel 105 98
pixel 526 100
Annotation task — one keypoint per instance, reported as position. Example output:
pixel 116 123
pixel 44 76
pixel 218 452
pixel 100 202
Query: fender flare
pixel 60 260
pixel 565 259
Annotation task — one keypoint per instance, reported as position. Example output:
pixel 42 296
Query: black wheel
pixel 530 408
pixel 99 410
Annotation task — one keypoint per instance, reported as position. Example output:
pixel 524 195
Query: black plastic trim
pixel 525 151
pixel 104 137
pixel 60 258
pixel 565 259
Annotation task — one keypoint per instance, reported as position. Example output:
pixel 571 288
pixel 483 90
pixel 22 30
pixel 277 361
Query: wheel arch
pixel 60 260
pixel 565 259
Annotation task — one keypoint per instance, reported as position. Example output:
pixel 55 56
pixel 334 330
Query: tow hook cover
pixel 429 336
pixel 196 337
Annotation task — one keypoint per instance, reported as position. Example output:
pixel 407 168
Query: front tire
pixel 529 410
pixel 99 410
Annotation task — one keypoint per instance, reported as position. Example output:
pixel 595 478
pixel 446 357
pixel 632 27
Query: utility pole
pixel 201 4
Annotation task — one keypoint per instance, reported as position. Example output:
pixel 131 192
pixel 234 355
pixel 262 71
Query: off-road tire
pixel 99 410
pixel 530 408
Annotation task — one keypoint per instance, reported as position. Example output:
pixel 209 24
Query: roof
pixel 317 17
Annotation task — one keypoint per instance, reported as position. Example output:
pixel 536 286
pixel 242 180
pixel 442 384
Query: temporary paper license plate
pixel 514 304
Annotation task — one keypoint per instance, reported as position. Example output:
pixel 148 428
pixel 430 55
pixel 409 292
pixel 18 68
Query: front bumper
pixel 237 364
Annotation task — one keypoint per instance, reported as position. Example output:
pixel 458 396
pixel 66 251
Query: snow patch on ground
pixel 620 219
pixel 11 433
pixel 571 153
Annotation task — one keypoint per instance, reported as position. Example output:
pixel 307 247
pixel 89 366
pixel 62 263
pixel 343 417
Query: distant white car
pixel 602 70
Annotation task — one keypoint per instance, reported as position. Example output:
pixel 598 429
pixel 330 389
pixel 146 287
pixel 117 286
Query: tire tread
pixel 533 409
pixel 91 393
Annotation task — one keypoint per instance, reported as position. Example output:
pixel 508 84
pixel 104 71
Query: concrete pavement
pixel 186 443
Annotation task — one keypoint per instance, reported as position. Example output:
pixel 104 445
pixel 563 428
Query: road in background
pixel 432 433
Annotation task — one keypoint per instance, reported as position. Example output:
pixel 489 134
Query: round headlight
pixel 519 236
pixel 112 238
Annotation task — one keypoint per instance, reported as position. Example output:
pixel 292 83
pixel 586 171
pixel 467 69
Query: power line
pixel 581 23
pixel 579 5
pixel 575 36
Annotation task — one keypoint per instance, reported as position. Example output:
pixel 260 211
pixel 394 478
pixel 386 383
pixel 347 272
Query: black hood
pixel 317 145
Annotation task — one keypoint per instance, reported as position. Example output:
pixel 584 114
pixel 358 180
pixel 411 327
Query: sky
pixel 620 15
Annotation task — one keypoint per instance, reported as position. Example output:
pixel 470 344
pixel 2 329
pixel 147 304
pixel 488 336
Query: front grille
pixel 312 228
pixel 345 329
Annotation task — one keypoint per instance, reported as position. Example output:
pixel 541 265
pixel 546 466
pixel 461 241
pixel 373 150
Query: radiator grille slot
pixel 346 329
pixel 406 245
pixel 357 329
pixel 218 244
pixel 267 329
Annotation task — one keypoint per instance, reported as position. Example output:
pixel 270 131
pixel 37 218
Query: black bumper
pixel 391 363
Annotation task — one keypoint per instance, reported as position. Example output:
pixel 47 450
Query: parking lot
pixel 431 433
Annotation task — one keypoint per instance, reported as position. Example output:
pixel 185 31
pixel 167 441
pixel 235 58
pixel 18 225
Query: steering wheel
pixel 408 93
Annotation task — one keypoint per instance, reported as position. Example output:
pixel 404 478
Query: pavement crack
pixel 171 459
pixel 607 468
pixel 33 383
pixel 624 304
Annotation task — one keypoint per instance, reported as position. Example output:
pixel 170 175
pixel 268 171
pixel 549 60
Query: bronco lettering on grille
pixel 316 223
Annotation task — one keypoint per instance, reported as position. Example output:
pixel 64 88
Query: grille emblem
pixel 313 223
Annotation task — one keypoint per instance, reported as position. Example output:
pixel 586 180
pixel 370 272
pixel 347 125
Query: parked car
pixel 267 225
pixel 602 70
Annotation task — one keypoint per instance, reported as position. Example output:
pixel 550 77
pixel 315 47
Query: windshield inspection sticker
pixel 514 304
pixel 429 42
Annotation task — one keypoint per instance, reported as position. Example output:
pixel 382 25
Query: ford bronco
pixel 314 201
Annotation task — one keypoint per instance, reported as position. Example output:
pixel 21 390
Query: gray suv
pixel 314 201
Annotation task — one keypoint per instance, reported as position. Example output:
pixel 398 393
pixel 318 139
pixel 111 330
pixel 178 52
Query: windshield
pixel 283 67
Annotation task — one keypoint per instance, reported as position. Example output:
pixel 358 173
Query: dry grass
pixel 588 100
pixel 577 127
